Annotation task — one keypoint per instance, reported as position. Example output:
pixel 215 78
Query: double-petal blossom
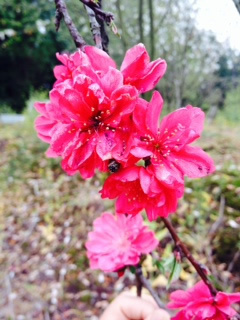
pixel 168 144
pixel 136 68
pixel 118 241
pixel 198 303
pixel 85 123
pixel 137 188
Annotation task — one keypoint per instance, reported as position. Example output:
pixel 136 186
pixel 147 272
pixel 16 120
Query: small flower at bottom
pixel 198 303
pixel 118 241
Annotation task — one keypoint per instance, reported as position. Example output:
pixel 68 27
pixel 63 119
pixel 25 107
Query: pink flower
pixel 137 188
pixel 118 241
pixel 137 70
pixel 87 123
pixel 167 144
pixel 198 303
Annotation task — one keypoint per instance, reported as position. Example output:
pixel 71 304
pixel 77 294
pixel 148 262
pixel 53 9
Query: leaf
pixel 159 265
pixel 132 269
pixel 175 273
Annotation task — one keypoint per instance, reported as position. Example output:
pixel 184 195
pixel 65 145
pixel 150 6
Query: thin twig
pixel 106 16
pixel 104 36
pixel 62 12
pixel 200 269
pixel 148 286
pixel 95 27
pixel 138 285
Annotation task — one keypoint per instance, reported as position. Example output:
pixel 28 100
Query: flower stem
pixel 144 282
pixel 200 270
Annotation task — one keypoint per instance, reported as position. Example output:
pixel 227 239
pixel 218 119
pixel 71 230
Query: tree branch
pixel 62 13
pixel 104 36
pixel 147 285
pixel 198 267
pixel 151 18
pixel 95 28
pixel 106 16
pixel 140 21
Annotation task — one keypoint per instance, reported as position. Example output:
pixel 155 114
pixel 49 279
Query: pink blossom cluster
pixel 197 303
pixel 96 119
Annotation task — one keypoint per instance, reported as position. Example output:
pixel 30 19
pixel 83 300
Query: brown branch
pixel 104 36
pixel 151 35
pixel 179 244
pixel 140 21
pixel 147 285
pixel 62 13
pixel 106 16
pixel 95 27
pixel 139 284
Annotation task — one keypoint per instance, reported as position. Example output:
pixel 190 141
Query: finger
pixel 136 308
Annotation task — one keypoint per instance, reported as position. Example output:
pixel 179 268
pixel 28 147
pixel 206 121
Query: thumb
pixel 159 315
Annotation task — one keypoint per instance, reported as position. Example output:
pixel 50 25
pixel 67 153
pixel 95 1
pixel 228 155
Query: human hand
pixel 129 307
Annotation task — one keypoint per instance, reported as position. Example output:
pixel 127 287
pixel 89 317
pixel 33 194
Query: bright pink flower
pixel 138 71
pixel 138 188
pixel 118 241
pixel 167 144
pixel 198 303
pixel 87 124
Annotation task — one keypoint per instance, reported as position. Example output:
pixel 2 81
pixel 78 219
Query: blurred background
pixel 45 214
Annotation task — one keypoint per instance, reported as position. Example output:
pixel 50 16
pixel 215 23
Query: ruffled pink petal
pixel 99 59
pixel 182 126
pixel 111 81
pixel 153 74
pixel 135 61
pixel 44 127
pixel 145 180
pixel 40 107
pixel 140 114
pixel 179 299
pixel 153 112
pixel 106 143
pixel 194 162
pixel 62 137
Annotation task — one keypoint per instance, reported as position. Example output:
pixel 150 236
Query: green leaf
pixel 175 273
pixel 160 266
pixel 132 269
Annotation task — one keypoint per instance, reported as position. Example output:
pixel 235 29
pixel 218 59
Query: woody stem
pixel 62 13
pixel 144 282
pixel 179 244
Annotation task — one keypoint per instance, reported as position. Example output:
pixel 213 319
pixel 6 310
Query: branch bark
pixel 140 21
pixel 104 36
pixel 62 13
pixel 148 286
pixel 151 18
pixel 179 244
pixel 95 27
pixel 106 16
